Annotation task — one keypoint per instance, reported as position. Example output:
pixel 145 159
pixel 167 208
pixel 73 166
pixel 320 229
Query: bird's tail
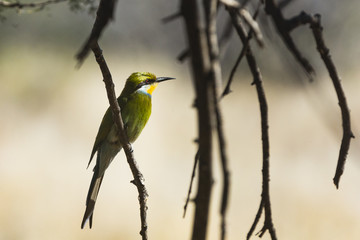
pixel 92 195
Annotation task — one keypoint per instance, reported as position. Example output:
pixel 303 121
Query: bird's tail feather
pixel 92 195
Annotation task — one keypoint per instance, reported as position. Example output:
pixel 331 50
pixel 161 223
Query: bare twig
pixel 265 196
pixel 345 113
pixel 138 177
pixel 227 89
pixel 38 5
pixel 104 14
pixel 315 24
pixel 256 220
pixel 171 17
pixel 282 26
pixel 224 167
pixel 254 26
pixel 196 160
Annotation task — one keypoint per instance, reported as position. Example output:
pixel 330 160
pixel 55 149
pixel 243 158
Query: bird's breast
pixel 136 113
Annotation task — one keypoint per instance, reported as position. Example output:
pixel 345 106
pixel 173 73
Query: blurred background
pixel 50 112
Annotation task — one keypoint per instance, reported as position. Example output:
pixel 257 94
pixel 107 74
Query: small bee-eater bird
pixel 135 105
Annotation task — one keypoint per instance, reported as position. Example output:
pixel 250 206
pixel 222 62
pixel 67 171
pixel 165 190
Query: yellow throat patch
pixel 151 88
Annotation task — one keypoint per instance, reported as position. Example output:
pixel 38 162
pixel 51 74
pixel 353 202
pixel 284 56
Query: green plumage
pixel 135 105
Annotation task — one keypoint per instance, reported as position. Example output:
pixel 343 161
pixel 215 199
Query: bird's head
pixel 144 82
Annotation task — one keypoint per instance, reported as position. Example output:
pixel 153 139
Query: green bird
pixel 135 105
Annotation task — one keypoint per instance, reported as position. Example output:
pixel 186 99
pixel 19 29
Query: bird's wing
pixel 105 127
pixel 104 130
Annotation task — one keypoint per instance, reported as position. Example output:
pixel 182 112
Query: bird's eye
pixel 147 81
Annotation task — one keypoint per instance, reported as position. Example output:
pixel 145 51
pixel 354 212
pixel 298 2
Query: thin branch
pixel 315 25
pixel 282 26
pixel 227 89
pixel 256 220
pixel 104 14
pixel 171 17
pixel 19 5
pixel 138 177
pixel 345 113
pixel 265 195
pixel 254 26
pixel 224 167
pixel 196 160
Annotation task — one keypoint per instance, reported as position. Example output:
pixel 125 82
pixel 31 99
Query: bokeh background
pixel 50 112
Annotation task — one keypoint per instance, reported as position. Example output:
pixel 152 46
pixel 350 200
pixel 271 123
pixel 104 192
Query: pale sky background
pixel 50 113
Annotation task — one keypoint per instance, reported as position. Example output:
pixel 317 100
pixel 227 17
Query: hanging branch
pixel 315 25
pixel 345 113
pixel 265 195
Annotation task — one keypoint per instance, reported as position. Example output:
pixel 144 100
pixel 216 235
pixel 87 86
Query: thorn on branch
pixel 171 17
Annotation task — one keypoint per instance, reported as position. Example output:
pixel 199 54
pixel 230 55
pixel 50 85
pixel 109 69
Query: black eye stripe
pixel 147 81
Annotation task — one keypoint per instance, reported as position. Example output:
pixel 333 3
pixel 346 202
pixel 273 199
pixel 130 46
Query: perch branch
pixel 138 177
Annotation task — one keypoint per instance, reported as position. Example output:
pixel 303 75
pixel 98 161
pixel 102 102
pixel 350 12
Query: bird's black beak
pixel 162 79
